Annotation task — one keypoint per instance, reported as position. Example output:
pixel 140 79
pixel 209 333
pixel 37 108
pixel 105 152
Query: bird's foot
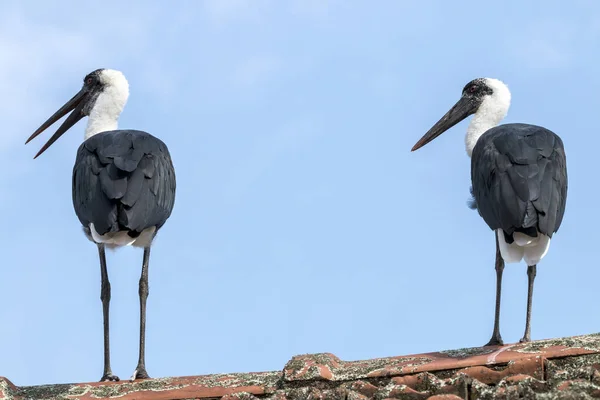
pixel 109 377
pixel 525 339
pixel 496 340
pixel 139 373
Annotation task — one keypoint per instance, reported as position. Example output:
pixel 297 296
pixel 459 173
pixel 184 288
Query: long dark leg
pixel 496 338
pixel 140 370
pixel 105 297
pixel 531 271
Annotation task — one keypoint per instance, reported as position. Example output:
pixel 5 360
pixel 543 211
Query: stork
pixel 123 186
pixel 519 181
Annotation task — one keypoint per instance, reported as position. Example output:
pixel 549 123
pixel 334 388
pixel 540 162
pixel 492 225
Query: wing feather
pixel 519 178
pixel 123 180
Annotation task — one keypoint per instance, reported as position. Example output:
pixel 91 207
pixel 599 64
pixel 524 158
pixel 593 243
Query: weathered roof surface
pixel 567 368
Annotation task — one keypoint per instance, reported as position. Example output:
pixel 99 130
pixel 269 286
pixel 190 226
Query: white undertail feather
pixel 105 114
pixel 492 110
pixel 121 238
pixel 530 249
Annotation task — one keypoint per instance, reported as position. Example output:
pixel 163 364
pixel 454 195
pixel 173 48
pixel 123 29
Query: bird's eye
pixel 472 89
pixel 89 80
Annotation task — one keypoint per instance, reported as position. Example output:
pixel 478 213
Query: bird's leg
pixel 531 271
pixel 105 297
pixel 140 370
pixel 496 339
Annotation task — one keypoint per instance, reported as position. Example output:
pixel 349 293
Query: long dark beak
pixel 76 104
pixel 461 110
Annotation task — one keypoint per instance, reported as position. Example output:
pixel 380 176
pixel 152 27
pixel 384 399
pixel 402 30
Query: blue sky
pixel 303 223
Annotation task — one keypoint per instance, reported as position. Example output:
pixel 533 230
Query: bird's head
pixel 487 96
pixel 104 91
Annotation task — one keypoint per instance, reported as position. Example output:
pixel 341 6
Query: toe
pixel 109 378
pixel 139 373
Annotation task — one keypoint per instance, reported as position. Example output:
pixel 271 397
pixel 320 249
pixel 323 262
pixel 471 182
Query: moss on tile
pixel 587 342
pixel 468 352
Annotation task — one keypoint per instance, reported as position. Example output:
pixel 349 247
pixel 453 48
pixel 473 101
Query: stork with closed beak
pixel 519 180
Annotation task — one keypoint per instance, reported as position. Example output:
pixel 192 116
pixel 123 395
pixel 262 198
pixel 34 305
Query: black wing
pixel 123 180
pixel 519 177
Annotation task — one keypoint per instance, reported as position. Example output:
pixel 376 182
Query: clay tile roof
pixel 567 368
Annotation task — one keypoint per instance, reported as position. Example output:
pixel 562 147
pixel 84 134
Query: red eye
pixel 89 81
pixel 472 89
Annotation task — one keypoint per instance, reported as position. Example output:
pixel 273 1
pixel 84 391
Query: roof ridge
pixel 569 364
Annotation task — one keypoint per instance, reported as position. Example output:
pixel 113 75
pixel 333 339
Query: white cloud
pixel 42 64
pixel 27 54
pixel 39 60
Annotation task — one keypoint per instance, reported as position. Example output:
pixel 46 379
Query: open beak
pixel 76 104
pixel 461 110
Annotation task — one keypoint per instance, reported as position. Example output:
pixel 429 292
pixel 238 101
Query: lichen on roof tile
pixel 468 352
pixel 567 368
pixel 587 342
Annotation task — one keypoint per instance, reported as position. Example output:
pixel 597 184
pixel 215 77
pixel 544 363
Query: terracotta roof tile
pixel 567 368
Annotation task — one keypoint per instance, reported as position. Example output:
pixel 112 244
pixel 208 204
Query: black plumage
pixel 123 180
pixel 123 185
pixel 519 178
